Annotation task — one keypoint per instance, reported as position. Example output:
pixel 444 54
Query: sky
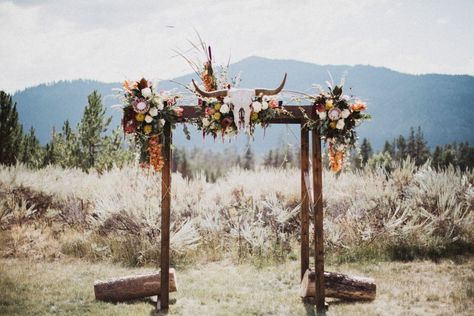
pixel 112 40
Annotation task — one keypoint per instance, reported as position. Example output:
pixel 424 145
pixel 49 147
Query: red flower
pixel 320 107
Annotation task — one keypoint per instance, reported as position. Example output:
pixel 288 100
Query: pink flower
pixel 273 103
pixel 178 111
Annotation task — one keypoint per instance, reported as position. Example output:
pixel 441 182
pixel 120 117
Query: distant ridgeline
pixel 442 105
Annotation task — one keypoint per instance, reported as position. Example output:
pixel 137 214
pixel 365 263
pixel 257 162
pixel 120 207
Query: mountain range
pixel 442 105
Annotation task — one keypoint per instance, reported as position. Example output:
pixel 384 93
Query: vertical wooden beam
pixel 318 221
pixel 163 301
pixel 304 214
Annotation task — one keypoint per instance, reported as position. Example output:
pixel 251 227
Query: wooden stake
pixel 304 215
pixel 318 221
pixel 163 302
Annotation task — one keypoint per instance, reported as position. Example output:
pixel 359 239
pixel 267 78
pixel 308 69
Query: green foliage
pixel 31 152
pixel 11 132
pixel 91 129
pixel 365 151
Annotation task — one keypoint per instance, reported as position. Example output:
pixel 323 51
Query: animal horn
pixel 210 94
pixel 259 92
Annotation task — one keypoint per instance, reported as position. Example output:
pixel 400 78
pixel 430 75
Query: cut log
pixel 337 285
pixel 132 287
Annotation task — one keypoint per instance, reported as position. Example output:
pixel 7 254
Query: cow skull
pixel 241 99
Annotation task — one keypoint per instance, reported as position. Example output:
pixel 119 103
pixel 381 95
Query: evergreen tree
pixel 411 144
pixel 68 147
pixel 389 148
pixel 31 152
pixel 401 148
pixel 437 157
pixel 422 153
pixel 268 160
pixel 184 166
pixel 365 151
pixel 249 161
pixel 11 132
pixel 91 127
pixel 449 156
pixel 112 152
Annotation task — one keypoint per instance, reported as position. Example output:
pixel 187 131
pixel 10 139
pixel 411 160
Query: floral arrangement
pixel 217 117
pixel 145 112
pixel 338 115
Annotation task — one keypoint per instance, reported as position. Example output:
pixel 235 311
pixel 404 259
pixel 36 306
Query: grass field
pixel 65 287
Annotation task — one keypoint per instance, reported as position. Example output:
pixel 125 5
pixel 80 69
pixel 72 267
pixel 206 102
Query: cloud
pixel 44 41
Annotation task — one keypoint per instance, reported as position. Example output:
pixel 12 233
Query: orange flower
pixel 154 150
pixel 129 85
pixel 336 159
pixel 358 106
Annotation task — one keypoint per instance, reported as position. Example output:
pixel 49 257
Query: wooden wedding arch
pixel 310 201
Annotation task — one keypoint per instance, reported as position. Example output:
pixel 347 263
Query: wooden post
pixel 163 302
pixel 304 214
pixel 318 221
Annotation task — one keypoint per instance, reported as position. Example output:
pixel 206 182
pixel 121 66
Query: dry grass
pixel 410 213
pixel 222 288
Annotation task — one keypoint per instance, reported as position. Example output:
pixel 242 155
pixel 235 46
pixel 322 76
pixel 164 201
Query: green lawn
pixel 65 287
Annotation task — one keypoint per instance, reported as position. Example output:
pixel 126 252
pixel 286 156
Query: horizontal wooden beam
pixel 295 117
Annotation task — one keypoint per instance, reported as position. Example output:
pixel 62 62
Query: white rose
pixel 162 122
pixel 227 100
pixel 264 105
pixel 146 92
pixel 148 119
pixel 322 115
pixel 345 113
pixel 160 105
pixel 340 124
pixel 153 112
pixel 257 106
pixel 206 122
pixel 224 108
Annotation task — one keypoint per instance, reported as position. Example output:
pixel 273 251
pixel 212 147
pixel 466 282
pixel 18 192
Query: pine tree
pixel 11 132
pixel 31 152
pixel 112 152
pixel 411 144
pixel 249 161
pixel 365 151
pixel 268 160
pixel 401 148
pixel 422 153
pixel 68 147
pixel 91 127
pixel 389 148
pixel 185 172
pixel 436 161
pixel 449 156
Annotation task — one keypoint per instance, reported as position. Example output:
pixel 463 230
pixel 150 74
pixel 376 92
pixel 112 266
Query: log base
pixel 337 285
pixel 132 287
